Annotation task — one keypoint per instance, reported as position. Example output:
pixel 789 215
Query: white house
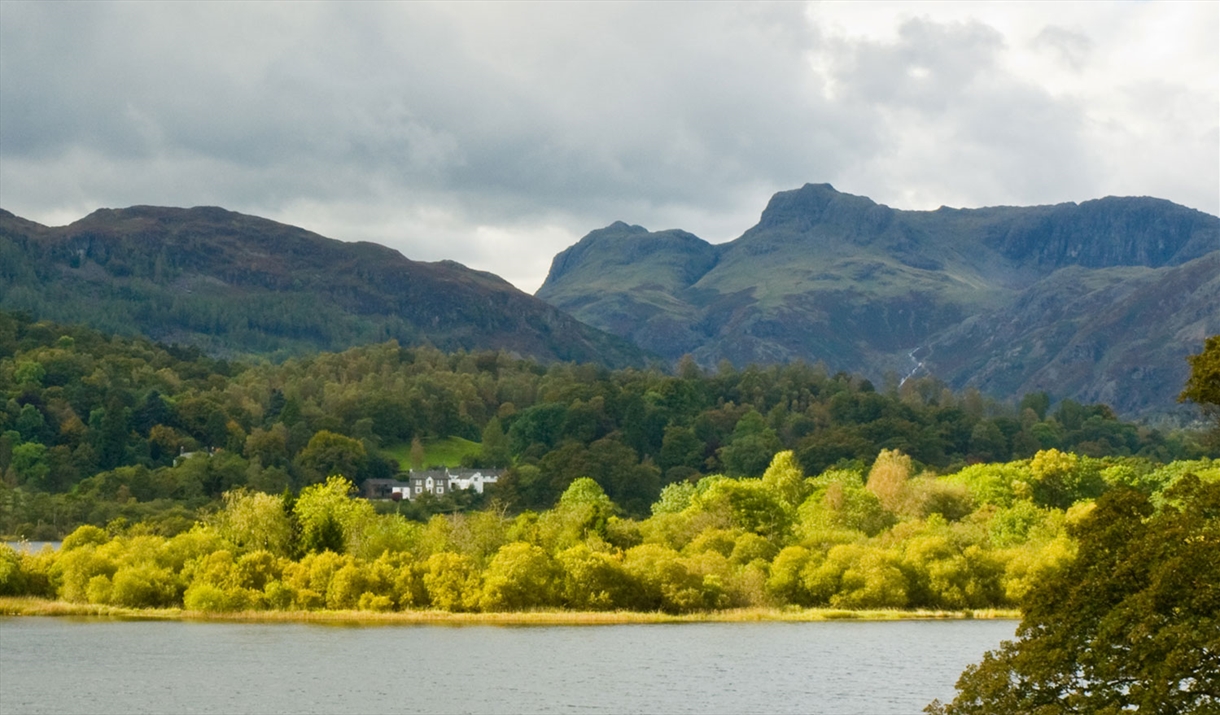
pixel 437 482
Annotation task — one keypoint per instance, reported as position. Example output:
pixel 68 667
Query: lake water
pixel 60 665
pixel 33 547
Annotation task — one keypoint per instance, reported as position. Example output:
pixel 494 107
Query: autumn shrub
pixel 521 576
pixel 278 595
pixel 76 567
pixel 888 479
pixel 256 569
pixel 722 541
pixel 751 547
pixel 255 521
pixel 145 586
pixel 209 598
pixel 1032 563
pixel 785 583
pixel 664 581
pixel 452 582
pixel 12 575
pixel 927 496
pixel 840 502
pixel 1012 525
pixel 991 483
pixel 84 536
pixel 595 580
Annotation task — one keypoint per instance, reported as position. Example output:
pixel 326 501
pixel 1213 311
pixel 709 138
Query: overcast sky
pixel 498 134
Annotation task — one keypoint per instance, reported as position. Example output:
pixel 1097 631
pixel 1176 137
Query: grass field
pixel 11 606
pixel 446 452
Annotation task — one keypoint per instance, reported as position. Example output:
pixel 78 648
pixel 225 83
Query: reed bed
pixel 10 606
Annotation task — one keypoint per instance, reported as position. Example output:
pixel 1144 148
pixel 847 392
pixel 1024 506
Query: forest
pixel 185 481
pixel 96 428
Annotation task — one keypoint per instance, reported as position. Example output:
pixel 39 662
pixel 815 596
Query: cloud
pixel 498 134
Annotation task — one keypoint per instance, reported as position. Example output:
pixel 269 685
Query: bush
pixel 144 586
pixel 452 582
pixel 520 576
pixel 12 576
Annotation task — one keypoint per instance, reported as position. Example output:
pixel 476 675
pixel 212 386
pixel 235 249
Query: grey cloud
pixel 959 119
pixel 930 66
pixel 1072 48
pixel 416 124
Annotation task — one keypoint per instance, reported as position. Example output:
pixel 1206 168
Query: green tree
pixel 255 521
pixel 29 462
pixel 494 451
pixel 417 453
pixel 1133 624
pixel 786 479
pixel 680 447
pixel 1203 386
pixel 330 519
pixel 329 454
pixel 753 446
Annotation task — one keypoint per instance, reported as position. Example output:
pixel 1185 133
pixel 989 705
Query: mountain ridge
pixel 234 283
pixel 830 276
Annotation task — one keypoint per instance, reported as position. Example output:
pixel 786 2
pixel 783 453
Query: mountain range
pixel 1097 301
pixel 236 284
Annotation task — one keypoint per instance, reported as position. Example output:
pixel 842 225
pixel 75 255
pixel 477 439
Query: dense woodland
pixel 96 427
pixel 892 538
pixel 627 490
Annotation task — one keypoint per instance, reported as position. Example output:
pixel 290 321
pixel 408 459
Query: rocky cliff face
pixel 1002 298
pixel 234 284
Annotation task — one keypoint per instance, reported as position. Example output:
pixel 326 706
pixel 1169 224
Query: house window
pixel 418 489
pixel 440 490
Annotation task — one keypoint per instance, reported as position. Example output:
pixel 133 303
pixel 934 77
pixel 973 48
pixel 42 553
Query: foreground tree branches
pixel 1133 623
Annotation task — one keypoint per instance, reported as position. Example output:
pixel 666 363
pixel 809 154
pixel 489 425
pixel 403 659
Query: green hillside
pixel 445 452
pixel 235 284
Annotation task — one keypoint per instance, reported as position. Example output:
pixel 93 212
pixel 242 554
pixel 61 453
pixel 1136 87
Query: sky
pixel 498 134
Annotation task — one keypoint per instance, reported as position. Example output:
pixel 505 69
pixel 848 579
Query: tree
pixel 494 452
pixel 1132 623
pixel 785 478
pixel 753 446
pixel 328 454
pixel 330 519
pixel 888 478
pixel 417 453
pixel 255 521
pixel 1203 386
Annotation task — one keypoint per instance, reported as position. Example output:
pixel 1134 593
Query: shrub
pixel 519 577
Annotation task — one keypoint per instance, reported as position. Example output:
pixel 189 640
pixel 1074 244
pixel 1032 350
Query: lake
pixel 32 547
pixel 62 665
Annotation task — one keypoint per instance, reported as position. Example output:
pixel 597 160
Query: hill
pixel 233 284
pixel 1067 298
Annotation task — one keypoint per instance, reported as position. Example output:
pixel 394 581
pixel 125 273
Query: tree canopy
pixel 94 427
pixel 1203 386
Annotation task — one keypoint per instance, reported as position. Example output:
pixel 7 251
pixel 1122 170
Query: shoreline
pixel 19 606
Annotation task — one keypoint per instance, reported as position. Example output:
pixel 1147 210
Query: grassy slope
pixel 446 452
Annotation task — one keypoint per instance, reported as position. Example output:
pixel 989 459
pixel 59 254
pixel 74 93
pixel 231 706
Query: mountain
pixel 235 284
pixel 1100 300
